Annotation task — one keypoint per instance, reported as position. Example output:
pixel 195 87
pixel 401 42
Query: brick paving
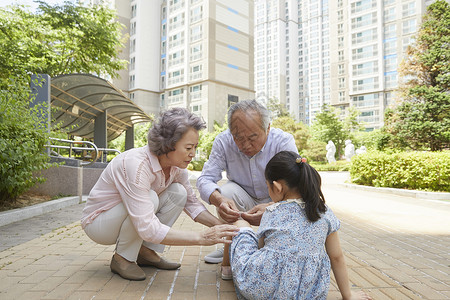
pixel 396 247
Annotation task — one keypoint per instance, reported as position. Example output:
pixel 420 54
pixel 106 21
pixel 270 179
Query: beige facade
pixel 207 56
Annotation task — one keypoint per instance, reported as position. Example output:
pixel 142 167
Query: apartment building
pixel 344 53
pixel 195 54
pixel 367 46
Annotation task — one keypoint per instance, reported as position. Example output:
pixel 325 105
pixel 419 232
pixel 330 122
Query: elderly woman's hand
pixel 217 234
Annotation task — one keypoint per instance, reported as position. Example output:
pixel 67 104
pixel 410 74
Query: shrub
pixel 315 151
pixel 196 165
pixel 341 165
pixel 409 170
pixel 21 143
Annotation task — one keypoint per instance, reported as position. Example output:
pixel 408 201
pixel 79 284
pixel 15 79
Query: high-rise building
pixel 196 54
pixel 368 41
pixel 348 58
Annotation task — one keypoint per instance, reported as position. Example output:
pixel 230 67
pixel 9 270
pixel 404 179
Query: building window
pixel 340 28
pixel 409 9
pixel 132 45
pixel 133 28
pixel 341 81
pixel 340 42
pixel 196 33
pixel 196 52
pixel 368 100
pixel 232 99
pixel 132 63
pixel 341 96
pixel 390 31
pixel 341 69
pixel 133 11
pixel 390 63
pixel 364 36
pixel 389 14
pixel 365 84
pixel 409 26
pixel 132 81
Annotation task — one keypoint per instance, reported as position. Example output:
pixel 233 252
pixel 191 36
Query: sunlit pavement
pixel 396 247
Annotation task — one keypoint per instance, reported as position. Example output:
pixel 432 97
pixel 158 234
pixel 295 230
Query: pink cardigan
pixel 128 178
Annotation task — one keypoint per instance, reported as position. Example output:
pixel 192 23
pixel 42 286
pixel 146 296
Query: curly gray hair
pixel 251 105
pixel 169 129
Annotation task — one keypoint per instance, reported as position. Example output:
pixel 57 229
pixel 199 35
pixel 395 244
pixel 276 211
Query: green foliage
pixel 328 126
pixel 377 139
pixel 21 142
pixel 196 165
pixel 140 138
pixel 316 151
pixel 277 109
pixel 206 139
pixel 340 166
pixel 409 170
pixel 298 130
pixel 422 119
pixel 60 39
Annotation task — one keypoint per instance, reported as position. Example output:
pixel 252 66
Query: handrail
pixel 97 151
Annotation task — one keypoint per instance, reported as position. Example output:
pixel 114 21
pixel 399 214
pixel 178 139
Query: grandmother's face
pixel 184 149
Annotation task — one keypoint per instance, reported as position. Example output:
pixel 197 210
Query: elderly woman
pixel 142 192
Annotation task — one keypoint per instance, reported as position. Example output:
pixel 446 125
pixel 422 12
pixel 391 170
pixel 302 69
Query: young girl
pixel 290 261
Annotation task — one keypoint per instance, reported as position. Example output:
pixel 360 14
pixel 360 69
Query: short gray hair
pixel 169 129
pixel 252 105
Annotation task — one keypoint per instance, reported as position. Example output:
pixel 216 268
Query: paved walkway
pixel 396 247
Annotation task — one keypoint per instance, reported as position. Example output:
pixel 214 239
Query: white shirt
pixel 248 172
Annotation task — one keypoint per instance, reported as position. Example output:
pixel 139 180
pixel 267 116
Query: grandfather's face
pixel 247 132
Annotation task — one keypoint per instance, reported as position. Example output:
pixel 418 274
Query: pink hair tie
pixel 300 160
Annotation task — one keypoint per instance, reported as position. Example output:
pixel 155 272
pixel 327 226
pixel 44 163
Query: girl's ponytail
pixel 299 175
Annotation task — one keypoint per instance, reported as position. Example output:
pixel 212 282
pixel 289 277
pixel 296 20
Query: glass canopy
pixel 80 98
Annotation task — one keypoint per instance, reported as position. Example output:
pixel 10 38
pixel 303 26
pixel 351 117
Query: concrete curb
pixel 401 192
pixel 18 214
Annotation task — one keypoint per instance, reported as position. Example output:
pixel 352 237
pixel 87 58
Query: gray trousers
pixel 115 227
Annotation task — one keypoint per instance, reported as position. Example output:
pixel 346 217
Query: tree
pixel 55 40
pixel 22 142
pixel 58 40
pixel 277 109
pixel 328 126
pixel 422 118
pixel 298 130
pixel 206 139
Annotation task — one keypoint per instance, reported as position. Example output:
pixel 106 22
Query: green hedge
pixel 341 165
pixel 196 165
pixel 21 143
pixel 408 170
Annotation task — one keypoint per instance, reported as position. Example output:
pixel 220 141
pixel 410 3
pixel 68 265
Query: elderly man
pixel 242 151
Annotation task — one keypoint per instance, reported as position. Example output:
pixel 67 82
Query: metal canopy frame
pixel 80 99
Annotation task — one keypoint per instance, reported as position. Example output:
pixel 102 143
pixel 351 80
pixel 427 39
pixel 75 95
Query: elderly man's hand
pixel 254 215
pixel 228 211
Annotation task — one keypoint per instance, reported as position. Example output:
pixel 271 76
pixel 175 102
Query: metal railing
pixel 95 152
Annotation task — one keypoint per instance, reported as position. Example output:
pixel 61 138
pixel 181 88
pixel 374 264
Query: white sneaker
pixel 214 257
pixel 226 273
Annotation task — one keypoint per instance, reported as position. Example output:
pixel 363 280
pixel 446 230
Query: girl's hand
pixel 216 234
pixel 359 296
pixel 254 215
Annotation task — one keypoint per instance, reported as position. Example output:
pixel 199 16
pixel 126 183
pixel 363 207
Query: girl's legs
pixel 244 202
pixel 226 268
